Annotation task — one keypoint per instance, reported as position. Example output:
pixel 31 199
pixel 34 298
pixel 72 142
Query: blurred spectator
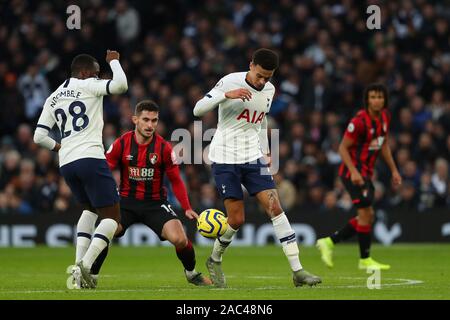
pixel 12 113
pixel 127 21
pixel 380 195
pixel 407 198
pixel 427 193
pixel 317 94
pixel 4 204
pixel 208 197
pixel 439 180
pixel 35 89
pixel 64 199
pixel 10 167
pixel 345 202
pixel 286 192
pixel 330 201
pixel 24 139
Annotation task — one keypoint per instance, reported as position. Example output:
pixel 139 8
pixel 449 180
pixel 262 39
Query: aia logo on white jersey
pixel 251 118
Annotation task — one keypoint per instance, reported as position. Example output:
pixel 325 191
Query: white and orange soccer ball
pixel 212 223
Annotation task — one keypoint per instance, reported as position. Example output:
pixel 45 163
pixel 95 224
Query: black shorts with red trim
pixel 362 196
pixel 154 214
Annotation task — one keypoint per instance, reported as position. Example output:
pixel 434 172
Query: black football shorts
pixel 362 196
pixel 154 214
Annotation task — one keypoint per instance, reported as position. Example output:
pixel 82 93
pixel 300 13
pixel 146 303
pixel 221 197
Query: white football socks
pixel 190 274
pixel 286 235
pixel 221 243
pixel 102 237
pixel 85 229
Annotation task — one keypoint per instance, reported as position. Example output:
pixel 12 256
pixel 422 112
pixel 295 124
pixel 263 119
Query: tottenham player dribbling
pixel 237 153
pixel 77 109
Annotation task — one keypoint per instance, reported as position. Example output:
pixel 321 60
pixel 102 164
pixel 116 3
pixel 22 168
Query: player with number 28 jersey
pixel 76 107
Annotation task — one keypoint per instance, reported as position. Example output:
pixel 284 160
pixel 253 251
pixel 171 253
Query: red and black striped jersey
pixel 142 168
pixel 368 135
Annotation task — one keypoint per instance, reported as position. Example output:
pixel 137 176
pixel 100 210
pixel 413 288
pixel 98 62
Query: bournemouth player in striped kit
pixel 364 139
pixel 143 158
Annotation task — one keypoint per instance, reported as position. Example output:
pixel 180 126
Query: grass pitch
pixel 419 271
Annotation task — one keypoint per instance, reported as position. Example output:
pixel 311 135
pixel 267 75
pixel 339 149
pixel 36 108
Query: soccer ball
pixel 212 223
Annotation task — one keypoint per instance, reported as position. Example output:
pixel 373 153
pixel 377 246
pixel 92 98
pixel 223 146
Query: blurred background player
pixel 144 157
pixel 365 137
pixel 77 108
pixel 244 99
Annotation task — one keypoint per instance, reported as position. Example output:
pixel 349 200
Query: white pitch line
pixel 404 282
pixel 137 290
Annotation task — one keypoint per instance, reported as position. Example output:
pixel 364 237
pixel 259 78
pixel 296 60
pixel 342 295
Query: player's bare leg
pixel 271 203
pixel 236 218
pixel 103 235
pixel 173 231
pixel 363 229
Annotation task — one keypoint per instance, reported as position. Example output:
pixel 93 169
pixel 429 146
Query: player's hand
pixel 241 93
pixel 112 55
pixel 191 214
pixel 396 178
pixel 356 178
pixel 57 147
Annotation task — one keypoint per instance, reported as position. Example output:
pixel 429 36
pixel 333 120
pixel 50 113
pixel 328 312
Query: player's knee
pixel 180 241
pixel 236 222
pixel 116 218
pixel 119 231
pixel 365 217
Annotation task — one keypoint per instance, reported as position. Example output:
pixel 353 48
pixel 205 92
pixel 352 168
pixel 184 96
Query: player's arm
pixel 387 156
pixel 43 127
pixel 114 154
pixel 350 138
pixel 178 187
pixel 217 95
pixel 117 85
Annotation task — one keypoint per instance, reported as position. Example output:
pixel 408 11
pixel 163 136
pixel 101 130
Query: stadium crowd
pixel 174 51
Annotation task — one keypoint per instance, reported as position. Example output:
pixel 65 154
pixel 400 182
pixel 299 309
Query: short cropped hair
pixel 146 105
pixel 266 58
pixel 377 87
pixel 82 62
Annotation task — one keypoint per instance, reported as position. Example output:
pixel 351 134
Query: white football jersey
pixel 77 108
pixel 238 135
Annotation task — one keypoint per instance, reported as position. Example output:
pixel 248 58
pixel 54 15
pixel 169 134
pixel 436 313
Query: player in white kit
pixel 76 107
pixel 240 155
